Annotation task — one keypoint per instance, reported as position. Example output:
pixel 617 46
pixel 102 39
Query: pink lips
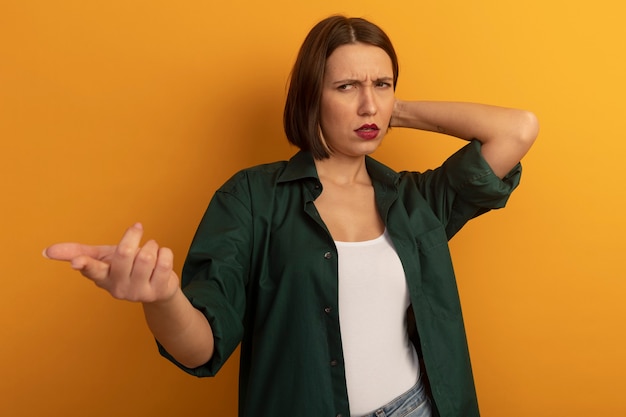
pixel 367 131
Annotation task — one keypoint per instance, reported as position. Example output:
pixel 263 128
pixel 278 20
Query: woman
pixel 312 264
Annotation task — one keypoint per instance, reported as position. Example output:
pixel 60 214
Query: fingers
pixel 69 251
pixel 124 255
pixel 151 277
pixel 138 273
pixel 152 263
pixel 145 261
pixel 127 271
pixel 162 273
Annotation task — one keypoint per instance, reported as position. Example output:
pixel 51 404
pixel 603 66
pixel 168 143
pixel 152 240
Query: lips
pixel 368 127
pixel 368 131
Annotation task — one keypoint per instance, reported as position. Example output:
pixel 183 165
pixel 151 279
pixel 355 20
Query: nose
pixel 367 103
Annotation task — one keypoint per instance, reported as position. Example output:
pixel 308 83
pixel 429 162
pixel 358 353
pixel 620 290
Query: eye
pixel 383 84
pixel 344 87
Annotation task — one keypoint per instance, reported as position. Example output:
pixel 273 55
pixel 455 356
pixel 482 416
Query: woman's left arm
pixel 505 134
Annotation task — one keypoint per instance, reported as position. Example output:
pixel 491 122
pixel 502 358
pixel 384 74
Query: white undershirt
pixel 380 361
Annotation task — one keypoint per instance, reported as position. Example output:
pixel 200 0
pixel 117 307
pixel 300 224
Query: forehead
pixel 358 60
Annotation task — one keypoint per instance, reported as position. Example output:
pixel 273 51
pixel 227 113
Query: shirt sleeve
pixel 216 271
pixel 465 187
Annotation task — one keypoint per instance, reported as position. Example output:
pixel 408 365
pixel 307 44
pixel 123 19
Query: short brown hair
pixel 301 118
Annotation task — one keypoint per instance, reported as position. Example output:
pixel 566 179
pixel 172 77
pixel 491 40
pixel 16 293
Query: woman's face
pixel 357 99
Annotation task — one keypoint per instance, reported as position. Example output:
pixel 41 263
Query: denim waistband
pixel 413 403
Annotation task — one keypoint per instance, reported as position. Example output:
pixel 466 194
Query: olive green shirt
pixel 263 269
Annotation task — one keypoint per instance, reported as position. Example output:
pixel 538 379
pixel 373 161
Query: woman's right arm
pixel 145 274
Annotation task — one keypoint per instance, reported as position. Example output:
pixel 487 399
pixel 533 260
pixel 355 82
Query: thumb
pixel 91 268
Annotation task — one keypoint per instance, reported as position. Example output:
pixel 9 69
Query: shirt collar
pixel 381 173
pixel 302 165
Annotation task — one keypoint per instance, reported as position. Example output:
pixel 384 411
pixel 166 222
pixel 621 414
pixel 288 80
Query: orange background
pixel 119 111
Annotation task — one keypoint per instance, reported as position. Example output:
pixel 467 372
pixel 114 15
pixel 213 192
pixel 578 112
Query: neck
pixel 343 171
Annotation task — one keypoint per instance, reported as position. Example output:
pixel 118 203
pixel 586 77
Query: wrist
pixel 166 301
pixel 397 115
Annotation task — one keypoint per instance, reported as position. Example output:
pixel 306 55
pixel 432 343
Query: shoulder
pixel 258 175
pixel 300 167
pixel 245 187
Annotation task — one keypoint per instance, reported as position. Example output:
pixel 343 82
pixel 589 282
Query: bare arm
pixel 144 274
pixel 182 330
pixel 506 134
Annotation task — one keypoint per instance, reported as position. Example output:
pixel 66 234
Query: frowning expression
pixel 357 99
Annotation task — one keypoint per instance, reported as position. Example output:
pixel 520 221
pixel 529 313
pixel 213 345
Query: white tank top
pixel 380 360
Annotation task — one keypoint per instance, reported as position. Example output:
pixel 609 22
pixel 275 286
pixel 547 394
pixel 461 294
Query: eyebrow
pixel 355 81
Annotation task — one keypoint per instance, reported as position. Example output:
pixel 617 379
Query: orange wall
pixel 118 111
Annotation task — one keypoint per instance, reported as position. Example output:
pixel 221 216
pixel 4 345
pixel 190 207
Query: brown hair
pixel 301 118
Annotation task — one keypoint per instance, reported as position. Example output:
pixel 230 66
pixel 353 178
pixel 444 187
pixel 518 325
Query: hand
pixel 126 271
